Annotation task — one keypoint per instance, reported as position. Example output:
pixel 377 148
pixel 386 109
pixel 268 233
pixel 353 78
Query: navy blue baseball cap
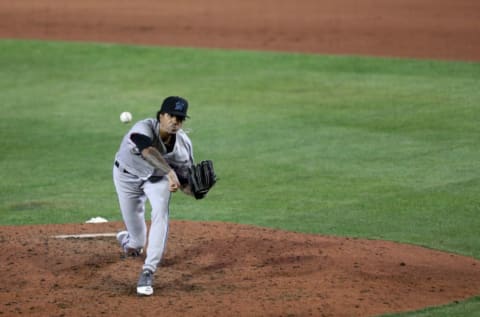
pixel 175 106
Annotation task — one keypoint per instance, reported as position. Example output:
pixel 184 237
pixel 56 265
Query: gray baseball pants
pixel 132 194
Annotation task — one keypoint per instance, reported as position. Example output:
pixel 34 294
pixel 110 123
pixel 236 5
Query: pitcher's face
pixel 170 124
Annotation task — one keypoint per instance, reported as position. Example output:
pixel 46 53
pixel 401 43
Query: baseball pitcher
pixel 155 159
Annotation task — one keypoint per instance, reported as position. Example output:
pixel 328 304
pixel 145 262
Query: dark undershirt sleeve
pixel 141 141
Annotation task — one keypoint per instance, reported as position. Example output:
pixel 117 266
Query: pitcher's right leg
pixel 131 199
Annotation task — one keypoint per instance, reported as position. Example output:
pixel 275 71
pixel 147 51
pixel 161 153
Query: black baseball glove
pixel 201 178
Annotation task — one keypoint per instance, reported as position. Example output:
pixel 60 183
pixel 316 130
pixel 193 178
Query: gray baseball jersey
pixel 180 159
pixel 133 178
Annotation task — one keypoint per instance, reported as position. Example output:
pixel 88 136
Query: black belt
pixel 152 179
pixel 122 169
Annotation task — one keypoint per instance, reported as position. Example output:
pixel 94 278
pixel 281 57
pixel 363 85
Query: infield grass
pixel 347 146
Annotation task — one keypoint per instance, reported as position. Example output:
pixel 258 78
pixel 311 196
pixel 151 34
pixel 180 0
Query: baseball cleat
pixel 145 281
pixel 123 238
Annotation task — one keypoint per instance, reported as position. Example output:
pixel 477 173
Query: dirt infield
pixel 440 29
pixel 216 269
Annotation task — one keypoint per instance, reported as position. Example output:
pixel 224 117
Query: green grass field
pixel 346 146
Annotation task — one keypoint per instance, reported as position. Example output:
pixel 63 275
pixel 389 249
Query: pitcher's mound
pixel 221 269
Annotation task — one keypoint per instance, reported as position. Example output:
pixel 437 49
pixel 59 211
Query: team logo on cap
pixel 180 106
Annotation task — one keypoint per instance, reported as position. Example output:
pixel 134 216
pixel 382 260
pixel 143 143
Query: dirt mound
pixel 221 269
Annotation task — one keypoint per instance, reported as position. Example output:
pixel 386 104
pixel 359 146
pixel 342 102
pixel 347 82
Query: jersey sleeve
pixel 141 141
pixel 141 136
pixel 143 127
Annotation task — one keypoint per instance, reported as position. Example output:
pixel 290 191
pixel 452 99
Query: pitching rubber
pixel 85 235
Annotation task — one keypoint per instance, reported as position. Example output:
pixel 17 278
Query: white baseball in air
pixel 126 117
